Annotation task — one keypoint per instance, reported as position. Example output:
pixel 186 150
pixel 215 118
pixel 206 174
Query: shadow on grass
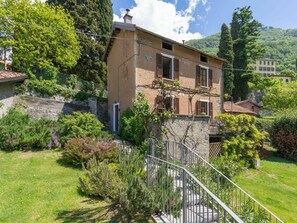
pixel 107 213
pixel 63 162
pixel 276 157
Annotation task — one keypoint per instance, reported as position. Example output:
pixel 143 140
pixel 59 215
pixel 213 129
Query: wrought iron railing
pixel 182 198
pixel 239 201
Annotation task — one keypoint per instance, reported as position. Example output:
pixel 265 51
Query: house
pixel 248 104
pixel 234 108
pixel 137 57
pixel 266 67
pixel 7 81
pixel 138 60
pixel 281 78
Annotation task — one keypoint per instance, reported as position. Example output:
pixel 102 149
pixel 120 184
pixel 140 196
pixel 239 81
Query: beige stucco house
pixel 136 57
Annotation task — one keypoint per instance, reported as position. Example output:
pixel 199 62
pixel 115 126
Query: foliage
pixel 281 97
pixel 94 18
pixel 80 125
pixel 280 45
pixel 283 134
pixel 79 150
pixel 288 72
pixel 264 124
pixel 228 165
pixel 242 137
pixel 100 179
pixel 226 52
pixel 245 31
pixel 40 35
pixel 258 82
pixel 19 132
pixel 134 122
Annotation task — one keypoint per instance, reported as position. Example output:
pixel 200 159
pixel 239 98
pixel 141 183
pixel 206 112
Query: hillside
pixel 280 45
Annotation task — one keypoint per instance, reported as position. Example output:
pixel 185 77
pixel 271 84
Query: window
pixel 264 68
pixel 268 68
pixel 268 63
pixel 166 45
pixel 264 62
pixel 272 68
pixel 203 58
pixel 204 108
pixel 272 63
pixel 167 104
pixel 287 80
pixel 260 62
pixel 203 76
pixel 260 68
pixel 167 67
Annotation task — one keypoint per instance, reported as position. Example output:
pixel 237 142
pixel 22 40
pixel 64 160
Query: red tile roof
pixel 7 76
pixel 231 107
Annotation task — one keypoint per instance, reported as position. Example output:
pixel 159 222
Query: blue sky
pixel 188 19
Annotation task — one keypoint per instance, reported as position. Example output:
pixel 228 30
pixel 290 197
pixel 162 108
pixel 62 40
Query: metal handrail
pixel 234 184
pixel 217 200
pixel 220 175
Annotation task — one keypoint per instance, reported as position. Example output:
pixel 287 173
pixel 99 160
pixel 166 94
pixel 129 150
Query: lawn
pixel 37 187
pixel 274 185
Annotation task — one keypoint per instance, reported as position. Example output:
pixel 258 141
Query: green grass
pixel 35 187
pixel 274 186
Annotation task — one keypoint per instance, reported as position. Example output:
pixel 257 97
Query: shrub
pixel 80 125
pixel 79 150
pixel 19 132
pixel 134 122
pixel 228 165
pixel 283 135
pixel 264 124
pixel 100 179
pixel 242 138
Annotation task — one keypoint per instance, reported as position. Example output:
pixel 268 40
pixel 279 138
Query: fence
pixel 240 202
pixel 182 198
pixel 215 149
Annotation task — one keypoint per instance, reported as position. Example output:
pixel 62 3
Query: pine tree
pixel 93 20
pixel 245 31
pixel 226 52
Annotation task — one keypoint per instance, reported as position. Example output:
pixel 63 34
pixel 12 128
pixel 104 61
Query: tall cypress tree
pixel 93 21
pixel 245 31
pixel 226 52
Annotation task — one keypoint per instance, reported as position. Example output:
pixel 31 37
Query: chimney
pixel 127 17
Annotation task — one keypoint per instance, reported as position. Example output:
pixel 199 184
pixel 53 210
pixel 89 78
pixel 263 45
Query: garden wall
pixel 6 97
pixel 194 131
pixel 51 108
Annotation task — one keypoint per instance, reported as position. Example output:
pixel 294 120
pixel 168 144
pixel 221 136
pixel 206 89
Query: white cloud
pixel 164 19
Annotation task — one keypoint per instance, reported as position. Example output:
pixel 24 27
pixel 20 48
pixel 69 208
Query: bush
pixel 100 180
pixel 134 122
pixel 19 132
pixel 79 150
pixel 283 135
pixel 264 124
pixel 228 165
pixel 242 138
pixel 80 125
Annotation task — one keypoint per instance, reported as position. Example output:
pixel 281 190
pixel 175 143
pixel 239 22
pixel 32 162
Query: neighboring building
pixel 266 67
pixel 284 79
pixel 234 108
pixel 250 106
pixel 136 57
pixel 7 80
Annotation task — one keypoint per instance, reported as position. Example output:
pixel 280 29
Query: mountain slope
pixel 280 45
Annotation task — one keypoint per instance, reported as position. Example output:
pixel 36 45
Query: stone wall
pixel 6 97
pixel 194 131
pixel 39 107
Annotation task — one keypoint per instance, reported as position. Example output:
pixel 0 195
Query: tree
pixel 226 52
pixel 281 97
pixel 93 19
pixel 245 32
pixel 41 35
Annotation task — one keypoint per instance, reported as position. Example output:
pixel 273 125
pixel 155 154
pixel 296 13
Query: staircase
pixel 202 195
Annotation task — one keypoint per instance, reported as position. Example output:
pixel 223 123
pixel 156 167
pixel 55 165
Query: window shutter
pixel 211 110
pixel 176 105
pixel 198 76
pixel 198 108
pixel 210 78
pixel 176 69
pixel 159 66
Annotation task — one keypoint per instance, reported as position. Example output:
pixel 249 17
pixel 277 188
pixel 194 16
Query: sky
pixel 195 19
